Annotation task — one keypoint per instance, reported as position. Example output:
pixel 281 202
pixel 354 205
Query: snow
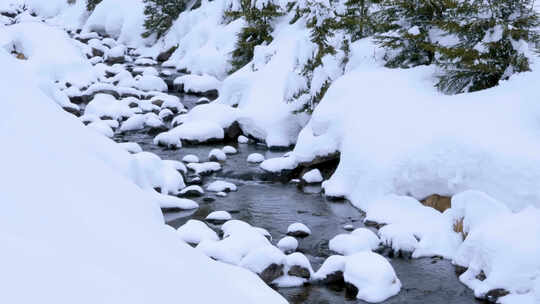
pixel 106 105
pixel 288 244
pixel 192 131
pixel 259 259
pixel 190 158
pixel 88 225
pixel 373 275
pixel 229 150
pixel 198 83
pixel 131 147
pixel 192 189
pixel 151 83
pixel 221 186
pixel 298 228
pixel 138 122
pixel 217 155
pixel 101 128
pixel 255 158
pixel 242 139
pixel 194 232
pixel 121 19
pixel 219 216
pixel 204 168
pixel 313 176
pixel 361 239
pixel 171 202
pixel 117 51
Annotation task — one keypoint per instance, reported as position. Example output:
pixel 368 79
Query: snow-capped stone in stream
pixel 105 105
pixel 229 150
pixel 172 203
pixel 297 271
pixel 312 176
pixel 195 131
pixel 218 217
pixel 178 165
pixel 190 158
pixel 116 54
pixel 145 61
pixel 203 100
pixel 131 147
pixel 221 186
pixel 369 273
pixel 221 194
pixel 288 244
pixel 298 230
pixel 197 83
pixel 102 128
pixel 161 174
pixel 166 101
pixel 138 122
pixel 166 114
pixel 255 158
pixel 348 227
pixel 217 155
pixel 192 191
pixel 267 261
pixel 194 232
pixel 242 139
pixel 372 275
pixel 151 83
pixel 360 239
pixel 204 168
pixel 239 239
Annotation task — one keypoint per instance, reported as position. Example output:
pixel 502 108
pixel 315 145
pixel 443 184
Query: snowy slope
pixel 76 228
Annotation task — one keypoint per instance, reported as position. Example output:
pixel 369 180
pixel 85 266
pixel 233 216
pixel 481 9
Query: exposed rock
pixel 114 60
pixel 164 56
pixel 437 202
pixel 73 111
pixel 299 271
pixel 156 130
pixel 493 295
pixel 97 53
pixel 271 273
pixel 335 278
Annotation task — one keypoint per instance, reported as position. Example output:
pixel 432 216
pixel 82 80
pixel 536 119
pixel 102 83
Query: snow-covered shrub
pixel 490 43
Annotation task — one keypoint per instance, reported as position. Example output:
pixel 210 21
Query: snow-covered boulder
pixel 217 155
pixel 361 239
pixel 204 84
pixel 192 191
pixel 204 168
pixel 229 150
pixel 218 217
pixel 221 186
pixel 190 158
pixel 312 176
pixel 105 105
pixel 298 230
pixel 255 158
pixel 194 232
pixel 288 244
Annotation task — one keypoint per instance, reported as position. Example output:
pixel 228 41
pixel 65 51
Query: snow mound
pixel 194 232
pixel 105 105
pixel 361 239
pixel 197 83
pixel 313 176
pixel 204 168
pixel 221 186
pixel 217 155
pixel 298 230
pixel 255 158
pixel 190 158
pixel 229 150
pixel 288 244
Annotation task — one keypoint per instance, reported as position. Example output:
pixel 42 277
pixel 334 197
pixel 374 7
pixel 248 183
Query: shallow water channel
pixel 274 205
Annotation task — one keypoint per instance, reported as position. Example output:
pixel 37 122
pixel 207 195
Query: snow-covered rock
pixel 204 168
pixel 151 83
pixel 194 232
pixel 218 217
pixel 229 150
pixel 217 155
pixel 288 244
pixel 298 230
pixel 190 158
pixel 131 147
pixel 105 105
pixel 255 158
pixel 361 239
pixel 312 176
pixel 192 190
pixel 198 84
pixel 242 139
pixel 221 186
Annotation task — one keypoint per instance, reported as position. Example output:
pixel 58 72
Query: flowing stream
pixel 274 205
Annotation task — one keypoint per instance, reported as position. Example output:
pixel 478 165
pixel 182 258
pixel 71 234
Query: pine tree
pixel 405 27
pixel 491 38
pixel 356 19
pixel 91 4
pixel 160 15
pixel 259 16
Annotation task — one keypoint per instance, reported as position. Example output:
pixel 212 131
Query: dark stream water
pixel 274 206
